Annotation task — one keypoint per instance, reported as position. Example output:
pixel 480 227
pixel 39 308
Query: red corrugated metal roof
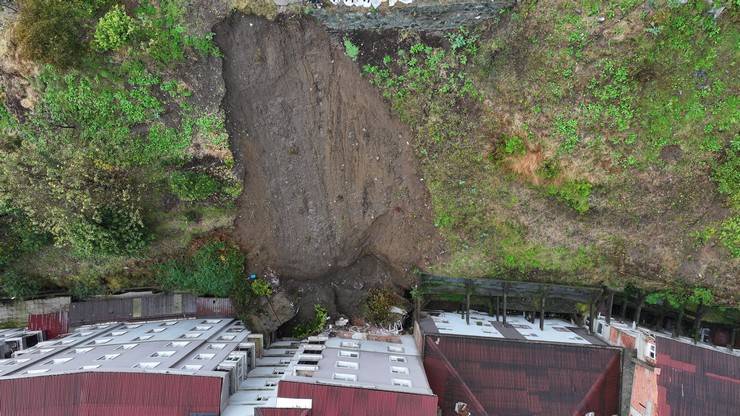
pixel 354 401
pixel 447 383
pixel 696 381
pixel 110 394
pixel 273 411
pixel 53 324
pixel 513 378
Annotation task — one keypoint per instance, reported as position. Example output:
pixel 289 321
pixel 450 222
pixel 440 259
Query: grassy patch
pixel 213 269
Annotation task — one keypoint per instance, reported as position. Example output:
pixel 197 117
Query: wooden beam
pixel 504 314
pixel 638 311
pixel 609 307
pixel 732 339
pixel 498 309
pixel 679 323
pixel 542 313
pixel 591 317
pixel 467 307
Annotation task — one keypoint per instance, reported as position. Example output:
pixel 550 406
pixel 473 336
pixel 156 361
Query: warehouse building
pixel 478 364
pixel 171 367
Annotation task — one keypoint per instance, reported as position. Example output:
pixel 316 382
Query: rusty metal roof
pixel 516 378
pixel 696 381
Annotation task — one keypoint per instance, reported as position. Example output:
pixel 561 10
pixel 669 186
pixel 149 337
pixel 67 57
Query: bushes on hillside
pixel 55 31
pixel 214 269
pixel 114 29
pixel 14 285
pixel 193 186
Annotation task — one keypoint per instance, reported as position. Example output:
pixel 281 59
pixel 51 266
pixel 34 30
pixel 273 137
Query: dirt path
pixel 331 193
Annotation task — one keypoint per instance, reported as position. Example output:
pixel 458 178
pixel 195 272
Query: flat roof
pixel 516 328
pixel 193 346
pixel 379 365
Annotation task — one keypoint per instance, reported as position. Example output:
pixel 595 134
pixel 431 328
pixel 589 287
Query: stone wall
pixel 18 311
pixel 435 16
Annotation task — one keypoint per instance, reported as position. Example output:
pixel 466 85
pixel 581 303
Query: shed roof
pixel 695 380
pixel 513 378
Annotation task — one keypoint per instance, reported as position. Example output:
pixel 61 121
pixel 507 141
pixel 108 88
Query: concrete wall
pixel 18 311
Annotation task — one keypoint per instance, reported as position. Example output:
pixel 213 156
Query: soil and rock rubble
pixel 331 194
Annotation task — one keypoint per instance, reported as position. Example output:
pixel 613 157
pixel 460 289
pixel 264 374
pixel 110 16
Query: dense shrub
pixel 16 286
pixel 114 29
pixel 193 186
pixel 378 304
pixel 54 31
pixel 314 326
pixel 574 193
pixel 215 269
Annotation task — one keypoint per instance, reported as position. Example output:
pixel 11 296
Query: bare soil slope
pixel 329 176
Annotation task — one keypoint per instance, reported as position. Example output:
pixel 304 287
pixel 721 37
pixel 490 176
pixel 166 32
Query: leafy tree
pixel 114 29
pixel 193 186
pixel 19 287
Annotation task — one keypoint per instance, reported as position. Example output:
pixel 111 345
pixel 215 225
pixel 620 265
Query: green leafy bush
pixel 19 287
pixel 378 304
pixel 352 50
pixel 514 145
pixel 54 31
pixel 260 287
pixel 215 269
pixel 114 29
pixel 85 286
pixel 574 193
pixel 193 186
pixel 313 327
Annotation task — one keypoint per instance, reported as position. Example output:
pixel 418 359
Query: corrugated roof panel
pixel 110 394
pixel 329 400
pixel 695 380
pixel 513 378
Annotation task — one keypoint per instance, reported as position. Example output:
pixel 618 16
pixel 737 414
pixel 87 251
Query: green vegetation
pixel 214 269
pixel 378 304
pixel 260 287
pixel 17 287
pixel 53 31
pixel 573 193
pixel 514 146
pixel 108 134
pixel 352 50
pixel 193 186
pixel 114 29
pixel 313 327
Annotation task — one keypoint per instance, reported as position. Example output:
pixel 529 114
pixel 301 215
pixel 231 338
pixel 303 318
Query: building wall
pixel 330 400
pixel 18 311
pixel 644 391
pixel 110 394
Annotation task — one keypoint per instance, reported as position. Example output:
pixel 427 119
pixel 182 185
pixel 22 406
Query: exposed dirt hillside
pixel 330 183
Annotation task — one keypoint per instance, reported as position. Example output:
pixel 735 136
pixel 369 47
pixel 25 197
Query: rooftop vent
pixel 399 370
pixel 192 367
pixel 178 344
pixel 58 361
pixel 118 333
pixel 168 323
pixel 143 338
pixel 204 356
pixel 163 354
pixel 350 344
pixel 348 364
pixel 108 357
pixel 345 377
pixel 202 328
pixel 190 335
pixel 216 346
pixel 349 354
pixel 155 330
pixel 127 346
pixel 82 350
pixel 100 341
pixel 90 367
pixel 401 382
pixel 37 371
pixel 396 349
pixel 149 364
pixel 397 359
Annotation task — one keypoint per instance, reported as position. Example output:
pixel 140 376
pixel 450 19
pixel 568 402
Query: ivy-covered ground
pixel 589 142
pixel 112 165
